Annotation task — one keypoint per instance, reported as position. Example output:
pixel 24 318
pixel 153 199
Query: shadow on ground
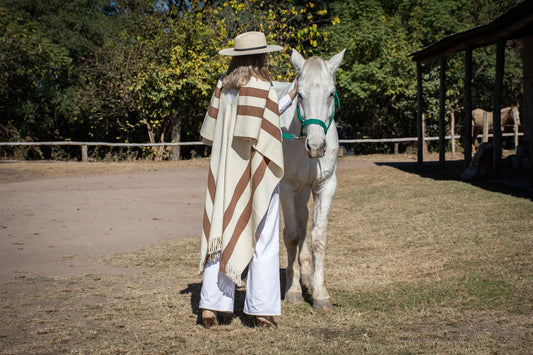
pixel 513 182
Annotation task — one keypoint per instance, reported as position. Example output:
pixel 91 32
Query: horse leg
pixel 322 204
pixel 475 132
pixel 304 256
pixel 293 290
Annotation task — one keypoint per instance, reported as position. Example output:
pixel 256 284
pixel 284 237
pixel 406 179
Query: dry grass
pixel 414 265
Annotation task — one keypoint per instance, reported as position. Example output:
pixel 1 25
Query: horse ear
pixel 297 60
pixel 335 61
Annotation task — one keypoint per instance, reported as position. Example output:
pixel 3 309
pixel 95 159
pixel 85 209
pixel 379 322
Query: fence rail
pixel 169 144
pixel 103 144
pixel 413 139
pixel 84 145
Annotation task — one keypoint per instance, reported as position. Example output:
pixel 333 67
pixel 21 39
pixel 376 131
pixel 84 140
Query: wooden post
pixel 515 130
pixel 496 110
pixel 442 112
pixel 84 153
pixel 424 144
pixel 467 134
pixel 527 100
pixel 396 148
pixel 452 129
pixel 485 138
pixel 419 115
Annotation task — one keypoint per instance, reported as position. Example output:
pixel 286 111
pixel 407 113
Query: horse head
pixel 516 114
pixel 316 98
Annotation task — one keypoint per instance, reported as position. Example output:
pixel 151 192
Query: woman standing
pixel 241 218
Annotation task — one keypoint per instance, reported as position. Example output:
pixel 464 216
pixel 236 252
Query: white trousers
pixel 263 295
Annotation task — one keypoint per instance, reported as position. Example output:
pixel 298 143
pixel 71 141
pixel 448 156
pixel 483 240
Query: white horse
pixel 310 147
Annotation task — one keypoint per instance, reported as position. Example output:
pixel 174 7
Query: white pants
pixel 263 295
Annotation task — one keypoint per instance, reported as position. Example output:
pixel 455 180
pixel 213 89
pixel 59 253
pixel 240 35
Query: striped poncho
pixel 245 167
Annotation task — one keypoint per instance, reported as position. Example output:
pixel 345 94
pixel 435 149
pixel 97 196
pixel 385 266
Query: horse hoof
pixel 322 304
pixel 294 297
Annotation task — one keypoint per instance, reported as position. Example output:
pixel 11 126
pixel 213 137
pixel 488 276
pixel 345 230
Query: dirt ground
pixel 53 223
pixel 103 258
pixel 56 218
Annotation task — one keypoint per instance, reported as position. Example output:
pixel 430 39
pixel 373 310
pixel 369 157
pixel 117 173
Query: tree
pixel 44 45
pixel 377 78
pixel 144 70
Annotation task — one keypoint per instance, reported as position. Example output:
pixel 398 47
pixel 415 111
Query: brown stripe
pixel 255 92
pixel 259 173
pixel 211 185
pixel 239 190
pixel 211 189
pixel 213 112
pixel 245 216
pixel 271 129
pixel 206 225
pixel 250 111
pixel 272 106
pixel 239 228
pixel 217 92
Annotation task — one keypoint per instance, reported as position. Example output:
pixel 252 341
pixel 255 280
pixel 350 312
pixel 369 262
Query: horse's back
pixel 477 116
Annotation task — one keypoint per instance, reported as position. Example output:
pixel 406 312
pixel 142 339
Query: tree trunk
pixel 176 138
pixel 161 149
pixel 152 140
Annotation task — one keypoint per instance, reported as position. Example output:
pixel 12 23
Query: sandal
pixel 209 318
pixel 265 322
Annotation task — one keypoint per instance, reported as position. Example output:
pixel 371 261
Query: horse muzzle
pixel 315 149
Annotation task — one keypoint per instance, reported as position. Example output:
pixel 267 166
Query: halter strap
pixel 310 121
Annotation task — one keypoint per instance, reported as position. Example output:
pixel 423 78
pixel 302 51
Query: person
pixel 241 215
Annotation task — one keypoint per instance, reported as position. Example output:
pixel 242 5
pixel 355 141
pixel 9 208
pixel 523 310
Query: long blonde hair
pixel 242 68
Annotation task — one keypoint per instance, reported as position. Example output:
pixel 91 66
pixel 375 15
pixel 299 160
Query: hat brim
pixel 234 53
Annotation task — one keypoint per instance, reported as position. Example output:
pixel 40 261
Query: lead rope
pixel 304 122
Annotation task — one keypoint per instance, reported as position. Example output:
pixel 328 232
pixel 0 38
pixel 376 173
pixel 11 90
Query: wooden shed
pixel 517 23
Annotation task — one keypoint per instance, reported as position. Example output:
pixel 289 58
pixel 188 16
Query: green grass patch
pixel 472 292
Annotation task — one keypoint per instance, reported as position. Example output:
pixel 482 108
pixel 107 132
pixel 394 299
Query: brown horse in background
pixel 507 119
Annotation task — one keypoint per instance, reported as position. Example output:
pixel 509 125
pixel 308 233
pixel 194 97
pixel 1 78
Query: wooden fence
pixel 85 145
pixel 484 136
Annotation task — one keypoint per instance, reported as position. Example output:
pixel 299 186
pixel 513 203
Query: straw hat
pixel 250 43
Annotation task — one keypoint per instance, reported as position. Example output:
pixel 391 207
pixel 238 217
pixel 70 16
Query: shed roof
pixel 517 22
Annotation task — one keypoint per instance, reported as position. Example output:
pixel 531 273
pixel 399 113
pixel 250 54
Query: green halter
pixel 309 121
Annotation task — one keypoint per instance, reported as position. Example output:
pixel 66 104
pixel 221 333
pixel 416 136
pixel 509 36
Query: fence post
pixel 485 138
pixel 84 153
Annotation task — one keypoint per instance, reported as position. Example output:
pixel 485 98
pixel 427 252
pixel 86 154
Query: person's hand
pixel 293 92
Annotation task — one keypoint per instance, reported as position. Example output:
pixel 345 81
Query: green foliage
pixel 292 24
pixel 43 44
pixel 144 70
pixel 378 79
